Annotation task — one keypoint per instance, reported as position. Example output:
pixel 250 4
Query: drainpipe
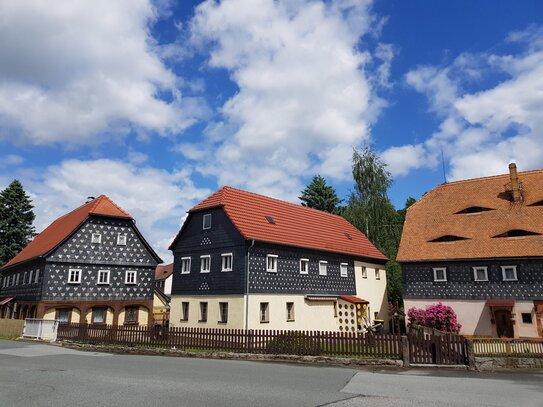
pixel 247 286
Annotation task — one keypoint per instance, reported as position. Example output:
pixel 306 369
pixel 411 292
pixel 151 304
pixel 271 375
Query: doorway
pixel 504 325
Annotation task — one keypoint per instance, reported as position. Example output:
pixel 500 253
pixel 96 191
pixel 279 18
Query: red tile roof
pixel 294 225
pixel 438 214
pixel 60 229
pixel 354 300
pixel 162 272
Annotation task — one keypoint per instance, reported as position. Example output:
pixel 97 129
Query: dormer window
pixel 440 274
pixel 517 233
pixel 207 221
pixel 473 209
pixel 447 238
pixel 121 239
pixel 96 238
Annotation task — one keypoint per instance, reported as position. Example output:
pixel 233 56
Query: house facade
pixel 246 261
pixel 477 246
pixel 91 265
pixel 162 292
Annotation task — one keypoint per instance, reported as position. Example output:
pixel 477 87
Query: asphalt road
pixel 43 375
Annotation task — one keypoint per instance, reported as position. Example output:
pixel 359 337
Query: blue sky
pixel 158 103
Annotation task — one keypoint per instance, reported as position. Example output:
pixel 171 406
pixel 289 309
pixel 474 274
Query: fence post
pixel 405 351
pixel 470 354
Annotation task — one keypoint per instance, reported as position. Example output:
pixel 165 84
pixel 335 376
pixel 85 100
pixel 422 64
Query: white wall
pixel 373 290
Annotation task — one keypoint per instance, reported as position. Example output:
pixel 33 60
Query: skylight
pixel 474 209
pixel 538 203
pixel 448 238
pixel 270 219
pixel 348 236
pixel 517 233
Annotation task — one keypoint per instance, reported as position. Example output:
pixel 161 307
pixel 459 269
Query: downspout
pixel 247 286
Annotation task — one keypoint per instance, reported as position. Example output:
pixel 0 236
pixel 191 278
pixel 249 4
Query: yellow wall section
pixel 373 290
pixel 235 311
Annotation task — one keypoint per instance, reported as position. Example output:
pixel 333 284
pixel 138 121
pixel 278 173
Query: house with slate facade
pixel 477 246
pixel 247 261
pixel 91 265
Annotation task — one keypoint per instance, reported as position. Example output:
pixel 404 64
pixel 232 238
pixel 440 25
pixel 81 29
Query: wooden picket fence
pixel 532 347
pixel 238 340
pixel 430 346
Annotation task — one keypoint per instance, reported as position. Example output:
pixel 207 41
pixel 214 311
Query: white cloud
pixel 304 98
pixel 10 160
pixel 484 129
pixel 156 198
pixel 74 69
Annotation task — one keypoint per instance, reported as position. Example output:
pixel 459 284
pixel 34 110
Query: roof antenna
pixel 443 166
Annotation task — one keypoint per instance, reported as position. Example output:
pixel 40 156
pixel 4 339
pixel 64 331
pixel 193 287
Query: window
pixel 207 221
pixel 323 268
pixel 264 312
pixel 130 277
pixel 480 273
pixel 271 263
pixel 526 317
pixel 24 278
pixel 343 269
pixel 364 272
pixel 30 281
pixel 131 315
pixel 17 279
pixel 227 262
pixel 440 274
pixel 121 239
pixel 223 312
pixel 304 266
pixel 74 276
pixel 290 311
pixel 37 276
pixel 63 315
pixel 205 263
pixel 185 265
pixel 96 238
pixel 203 312
pixel 98 315
pixel 103 276
pixel 377 274
pixel 184 311
pixel 509 273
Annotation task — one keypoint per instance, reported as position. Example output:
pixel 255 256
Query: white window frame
pixel 122 238
pixel 77 272
pixel 185 260
pixel 306 262
pixel 36 276
pixel 514 268
pixel 126 279
pixel 223 256
pixel 274 263
pixel 480 268
pixel 206 216
pixel 107 272
pixel 323 271
pixel 98 240
pixel 205 256
pixel 441 280
pixel 344 269
pixel 364 272
pixel 377 274
pixel 17 278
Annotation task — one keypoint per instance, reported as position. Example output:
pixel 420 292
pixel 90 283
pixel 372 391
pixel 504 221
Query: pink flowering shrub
pixel 437 316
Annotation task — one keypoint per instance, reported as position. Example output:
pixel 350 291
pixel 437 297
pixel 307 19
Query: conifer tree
pixel 319 195
pixel 16 218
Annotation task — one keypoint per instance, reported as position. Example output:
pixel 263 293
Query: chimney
pixel 90 198
pixel 515 184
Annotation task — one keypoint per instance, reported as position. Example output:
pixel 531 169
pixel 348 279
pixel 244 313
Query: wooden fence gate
pixel 437 348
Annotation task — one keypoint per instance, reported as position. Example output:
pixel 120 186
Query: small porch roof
pixel 5 300
pixel 500 303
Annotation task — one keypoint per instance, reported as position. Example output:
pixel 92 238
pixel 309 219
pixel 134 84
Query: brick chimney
pixel 515 184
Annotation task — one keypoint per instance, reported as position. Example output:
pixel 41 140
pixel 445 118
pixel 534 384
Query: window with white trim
pixel 205 263
pixel 323 268
pixel 103 276
pixel 226 261
pixel 480 273
pixel 121 239
pixel 377 274
pixel 74 276
pixel 96 238
pixel 509 273
pixel 271 263
pixel 17 279
pixel 343 269
pixel 304 266
pixel 364 272
pixel 206 223
pixel 440 274
pixel 30 281
pixel 24 278
pixel 185 265
pixel 37 276
pixel 130 277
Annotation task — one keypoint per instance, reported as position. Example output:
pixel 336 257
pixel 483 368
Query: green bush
pixel 293 343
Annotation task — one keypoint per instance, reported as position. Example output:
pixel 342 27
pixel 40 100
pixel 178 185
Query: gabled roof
pixel 58 231
pixel 441 212
pixel 162 272
pixel 291 224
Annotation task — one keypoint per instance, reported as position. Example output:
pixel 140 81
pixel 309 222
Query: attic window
pixel 474 209
pixel 207 221
pixel 538 203
pixel 348 236
pixel 517 233
pixel 270 219
pixel 448 238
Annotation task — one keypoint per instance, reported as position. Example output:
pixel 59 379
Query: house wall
pixel 236 309
pixel 27 289
pixel 373 290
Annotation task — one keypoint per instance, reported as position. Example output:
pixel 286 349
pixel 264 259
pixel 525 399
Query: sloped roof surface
pixel 61 228
pixel 435 215
pixel 293 225
pixel 162 272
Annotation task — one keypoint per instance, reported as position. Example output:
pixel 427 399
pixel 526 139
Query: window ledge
pixel 264 322
pixel 202 320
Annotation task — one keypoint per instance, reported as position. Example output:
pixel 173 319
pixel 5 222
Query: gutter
pixel 247 285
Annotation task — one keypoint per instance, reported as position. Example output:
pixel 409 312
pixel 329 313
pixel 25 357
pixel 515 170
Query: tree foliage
pixel 319 195
pixel 16 218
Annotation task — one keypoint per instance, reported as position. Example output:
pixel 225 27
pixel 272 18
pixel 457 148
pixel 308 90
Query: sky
pixel 159 103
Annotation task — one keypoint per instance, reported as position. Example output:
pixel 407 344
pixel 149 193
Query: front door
pixel 504 326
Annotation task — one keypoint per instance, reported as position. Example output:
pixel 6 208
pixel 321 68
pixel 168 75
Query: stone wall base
pixel 499 363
